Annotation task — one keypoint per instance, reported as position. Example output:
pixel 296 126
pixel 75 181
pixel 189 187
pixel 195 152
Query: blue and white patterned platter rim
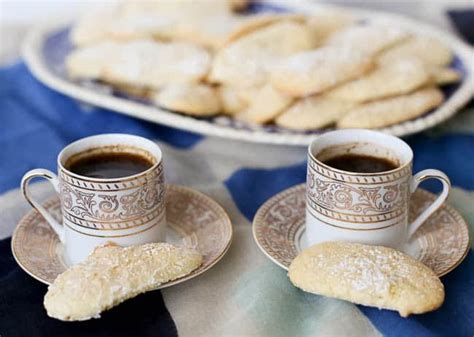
pixel 45 49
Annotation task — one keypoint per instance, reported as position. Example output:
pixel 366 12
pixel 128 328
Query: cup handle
pixel 53 179
pixel 415 181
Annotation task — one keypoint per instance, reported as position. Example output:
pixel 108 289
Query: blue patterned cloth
pixel 36 122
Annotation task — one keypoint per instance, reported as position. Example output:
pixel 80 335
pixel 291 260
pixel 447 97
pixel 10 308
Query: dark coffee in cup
pixel 109 163
pixel 360 163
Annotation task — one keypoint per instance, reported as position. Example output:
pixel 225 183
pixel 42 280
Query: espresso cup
pixel 129 210
pixel 369 208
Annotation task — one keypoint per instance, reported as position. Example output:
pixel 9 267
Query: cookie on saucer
pixel 113 274
pixel 370 275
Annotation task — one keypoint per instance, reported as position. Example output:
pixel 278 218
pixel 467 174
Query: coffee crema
pixel 360 163
pixel 108 165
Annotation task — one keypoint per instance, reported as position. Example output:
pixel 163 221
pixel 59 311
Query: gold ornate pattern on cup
pixel 109 209
pixel 108 235
pixel 117 225
pixel 350 218
pixel 376 225
pixel 195 219
pixel 112 207
pixel 443 240
pixel 364 200
pixel 367 203
pixel 357 199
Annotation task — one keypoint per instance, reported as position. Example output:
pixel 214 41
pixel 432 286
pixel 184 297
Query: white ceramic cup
pixel 370 208
pixel 128 210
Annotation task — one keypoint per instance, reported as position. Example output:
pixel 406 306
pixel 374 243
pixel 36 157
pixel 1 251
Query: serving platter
pixel 45 50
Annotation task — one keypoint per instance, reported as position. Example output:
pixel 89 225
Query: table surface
pixel 244 294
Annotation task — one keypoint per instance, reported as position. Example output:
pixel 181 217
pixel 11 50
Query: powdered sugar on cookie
pixel 370 275
pixel 400 77
pixel 112 274
pixel 368 38
pixel 314 71
pixel 141 63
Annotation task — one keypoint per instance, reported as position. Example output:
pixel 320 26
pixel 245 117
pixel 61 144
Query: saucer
pixel 441 243
pixel 194 220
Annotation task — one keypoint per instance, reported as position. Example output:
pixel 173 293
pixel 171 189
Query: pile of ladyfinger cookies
pixel 299 71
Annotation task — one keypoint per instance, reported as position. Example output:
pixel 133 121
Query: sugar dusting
pixel 366 268
pixel 112 274
pixel 374 270
pixel 370 38
pixel 326 56
pixel 141 63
